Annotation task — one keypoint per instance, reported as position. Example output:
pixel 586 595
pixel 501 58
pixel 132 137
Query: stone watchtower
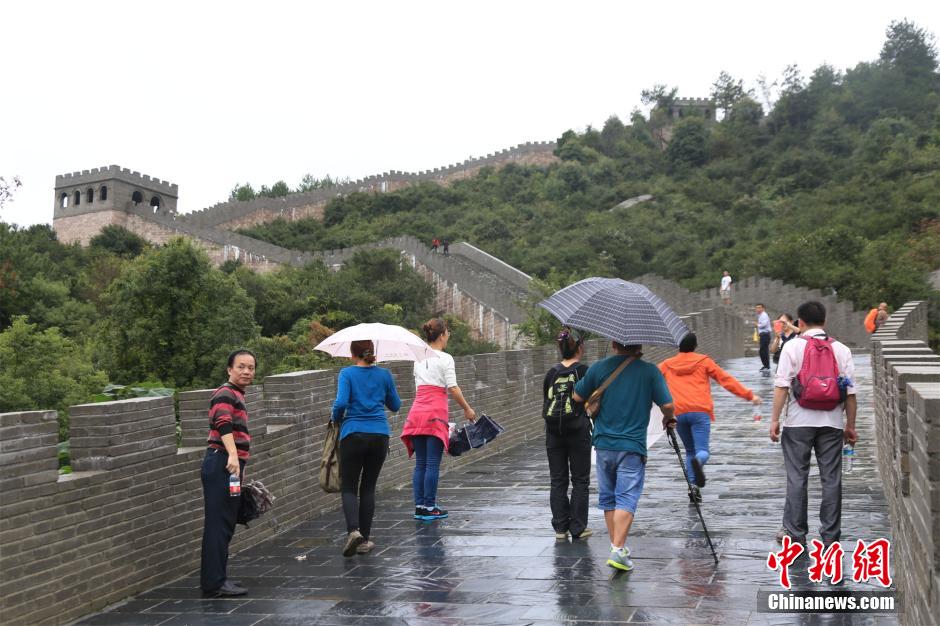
pixel 87 201
pixel 702 107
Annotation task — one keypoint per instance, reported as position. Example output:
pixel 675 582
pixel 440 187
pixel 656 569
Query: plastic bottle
pixel 757 415
pixel 234 485
pixel 848 457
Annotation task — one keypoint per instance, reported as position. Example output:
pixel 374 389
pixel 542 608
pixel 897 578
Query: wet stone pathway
pixel 495 560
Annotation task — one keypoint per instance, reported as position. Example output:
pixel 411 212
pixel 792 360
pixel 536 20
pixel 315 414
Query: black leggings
pixel 360 455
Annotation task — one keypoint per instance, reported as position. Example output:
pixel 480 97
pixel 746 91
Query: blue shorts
pixel 620 477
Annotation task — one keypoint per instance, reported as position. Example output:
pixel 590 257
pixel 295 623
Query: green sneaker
pixel 619 559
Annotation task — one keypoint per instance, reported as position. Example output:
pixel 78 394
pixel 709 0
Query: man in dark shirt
pixel 226 455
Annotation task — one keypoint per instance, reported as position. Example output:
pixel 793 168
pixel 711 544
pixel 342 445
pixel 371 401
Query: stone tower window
pixel 90 195
pixel 103 193
pixel 155 203
pixel 78 198
pixel 137 198
pixel 64 201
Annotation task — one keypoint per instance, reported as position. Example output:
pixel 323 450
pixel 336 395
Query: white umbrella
pixel 392 343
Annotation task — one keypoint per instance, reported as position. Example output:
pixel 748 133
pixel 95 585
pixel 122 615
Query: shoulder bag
pixel 593 404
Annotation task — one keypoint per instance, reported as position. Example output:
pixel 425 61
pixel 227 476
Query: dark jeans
pixel 798 443
pixel 569 455
pixel 765 349
pixel 361 456
pixel 428 453
pixel 221 511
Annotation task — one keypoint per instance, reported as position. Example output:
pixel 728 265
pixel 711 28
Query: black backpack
pixel 562 414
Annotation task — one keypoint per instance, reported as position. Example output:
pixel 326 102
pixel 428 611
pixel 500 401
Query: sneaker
pixel 619 559
pixel 699 472
pixel 584 534
pixel 433 514
pixel 781 534
pixel 420 511
pixel 353 541
pixel 561 536
pixel 365 547
pixel 695 495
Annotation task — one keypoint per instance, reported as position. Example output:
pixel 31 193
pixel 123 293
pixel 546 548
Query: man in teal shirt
pixel 620 437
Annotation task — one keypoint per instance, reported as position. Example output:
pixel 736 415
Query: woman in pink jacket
pixel 425 432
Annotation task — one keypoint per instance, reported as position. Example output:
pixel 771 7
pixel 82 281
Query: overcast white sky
pixel 207 94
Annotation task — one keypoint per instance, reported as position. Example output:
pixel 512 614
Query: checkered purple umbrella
pixel 628 313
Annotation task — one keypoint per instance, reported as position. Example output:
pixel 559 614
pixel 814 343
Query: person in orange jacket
pixel 688 376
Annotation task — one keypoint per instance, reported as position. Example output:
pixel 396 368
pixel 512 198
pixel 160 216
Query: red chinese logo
pixel 783 559
pixel 826 563
pixel 872 561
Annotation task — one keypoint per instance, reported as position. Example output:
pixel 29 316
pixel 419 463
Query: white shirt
pixel 725 283
pixel 791 360
pixel 438 371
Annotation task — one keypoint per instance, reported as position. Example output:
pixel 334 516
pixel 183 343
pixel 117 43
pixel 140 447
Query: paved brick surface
pixel 495 560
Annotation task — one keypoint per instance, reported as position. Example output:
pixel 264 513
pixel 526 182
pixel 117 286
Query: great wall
pixel 72 544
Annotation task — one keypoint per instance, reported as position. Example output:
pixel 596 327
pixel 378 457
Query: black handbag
pixel 256 500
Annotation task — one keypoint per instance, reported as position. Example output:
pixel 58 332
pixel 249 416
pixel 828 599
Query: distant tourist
pixel 633 385
pixel 435 243
pixel 426 431
pixel 567 440
pixel 446 245
pixel 725 288
pixel 363 392
pixel 763 332
pixel 784 331
pixel 813 421
pixel 689 375
pixel 882 315
pixel 222 473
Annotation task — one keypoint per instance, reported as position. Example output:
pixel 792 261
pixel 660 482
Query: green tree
pixel 689 144
pixel 7 189
pixel 41 369
pixel 119 241
pixel 173 317
pixel 242 192
pixel 726 92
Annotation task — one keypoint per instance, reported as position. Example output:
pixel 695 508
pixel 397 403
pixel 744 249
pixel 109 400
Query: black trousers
pixel 361 456
pixel 765 349
pixel 569 455
pixel 221 511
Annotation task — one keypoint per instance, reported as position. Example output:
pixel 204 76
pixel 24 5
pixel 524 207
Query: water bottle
pixel 234 485
pixel 848 456
pixel 757 415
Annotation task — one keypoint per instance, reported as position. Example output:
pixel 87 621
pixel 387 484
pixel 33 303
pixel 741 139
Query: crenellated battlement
pixel 116 172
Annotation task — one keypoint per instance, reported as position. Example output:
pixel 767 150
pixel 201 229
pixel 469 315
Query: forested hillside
pixel 833 185
pixel 76 321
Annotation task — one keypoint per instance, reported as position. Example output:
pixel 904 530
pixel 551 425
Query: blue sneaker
pixel 620 559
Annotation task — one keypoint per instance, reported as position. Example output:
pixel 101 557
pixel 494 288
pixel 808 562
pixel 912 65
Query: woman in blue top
pixel 363 391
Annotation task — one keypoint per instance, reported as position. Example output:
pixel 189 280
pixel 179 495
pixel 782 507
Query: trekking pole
pixel 675 446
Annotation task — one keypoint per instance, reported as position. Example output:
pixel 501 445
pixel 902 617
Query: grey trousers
pixel 797 443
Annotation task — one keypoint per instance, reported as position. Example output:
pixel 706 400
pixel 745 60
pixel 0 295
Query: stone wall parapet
pixel 906 388
pixel 228 211
pixel 130 517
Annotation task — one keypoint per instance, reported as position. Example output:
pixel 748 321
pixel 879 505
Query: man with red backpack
pixel 813 387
